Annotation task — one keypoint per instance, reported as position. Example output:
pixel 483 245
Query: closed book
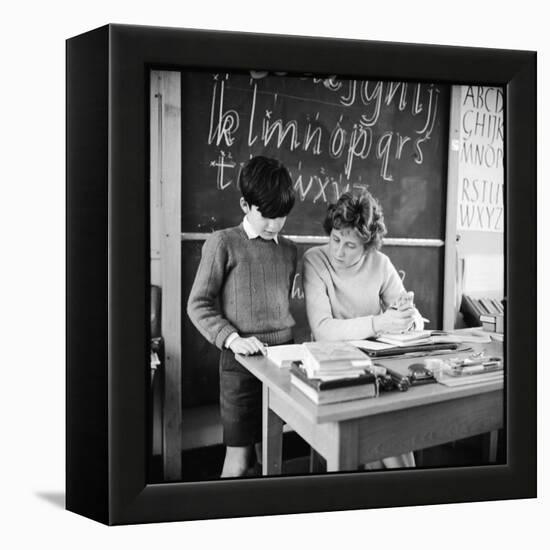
pixel 298 370
pixel 477 337
pixel 497 304
pixel 487 318
pixel 333 357
pixel 333 391
pixel 283 355
pixel 471 310
pixel 492 323
pixel 418 348
pixel 486 306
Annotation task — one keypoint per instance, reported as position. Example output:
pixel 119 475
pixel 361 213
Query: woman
pixel 350 285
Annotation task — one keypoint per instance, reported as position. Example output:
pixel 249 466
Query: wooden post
pixel 166 188
pixel 316 462
pixel 450 287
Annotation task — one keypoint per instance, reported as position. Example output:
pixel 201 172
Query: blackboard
pixel 332 134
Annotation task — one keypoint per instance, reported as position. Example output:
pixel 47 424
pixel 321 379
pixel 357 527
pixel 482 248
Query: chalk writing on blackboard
pixel 333 134
pixel 344 123
pixel 297 292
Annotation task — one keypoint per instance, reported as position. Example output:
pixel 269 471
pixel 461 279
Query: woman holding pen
pixel 352 290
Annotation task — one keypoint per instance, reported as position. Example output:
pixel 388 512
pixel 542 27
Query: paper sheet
pixel 283 355
pixel 483 275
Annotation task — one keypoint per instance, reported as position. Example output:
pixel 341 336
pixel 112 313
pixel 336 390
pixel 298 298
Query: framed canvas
pixel 160 122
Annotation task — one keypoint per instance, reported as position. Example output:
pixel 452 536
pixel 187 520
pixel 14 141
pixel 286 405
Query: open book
pixel 393 340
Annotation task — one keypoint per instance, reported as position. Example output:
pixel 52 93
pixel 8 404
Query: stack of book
pixel 334 390
pixel 409 338
pixel 332 372
pixel 468 372
pixel 474 308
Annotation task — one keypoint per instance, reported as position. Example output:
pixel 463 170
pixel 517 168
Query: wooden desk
pixel 352 433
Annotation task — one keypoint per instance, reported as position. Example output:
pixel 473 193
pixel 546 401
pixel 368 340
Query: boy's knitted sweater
pixel 243 285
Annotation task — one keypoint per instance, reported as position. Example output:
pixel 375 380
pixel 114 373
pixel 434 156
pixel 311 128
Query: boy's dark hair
pixel 362 213
pixel 265 183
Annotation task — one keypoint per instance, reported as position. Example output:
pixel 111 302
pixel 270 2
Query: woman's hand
pixel 247 346
pixel 418 323
pixel 394 320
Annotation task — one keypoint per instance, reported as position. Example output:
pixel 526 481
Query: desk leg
pixel 490 444
pixel 344 457
pixel 272 438
pixel 316 462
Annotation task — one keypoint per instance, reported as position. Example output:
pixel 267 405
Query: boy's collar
pixel 251 233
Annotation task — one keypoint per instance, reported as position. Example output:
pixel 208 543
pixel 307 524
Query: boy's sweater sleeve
pixel 203 305
pixel 319 311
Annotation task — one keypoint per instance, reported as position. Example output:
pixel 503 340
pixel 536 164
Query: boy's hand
pixel 247 346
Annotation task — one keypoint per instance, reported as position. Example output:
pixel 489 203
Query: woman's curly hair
pixel 362 213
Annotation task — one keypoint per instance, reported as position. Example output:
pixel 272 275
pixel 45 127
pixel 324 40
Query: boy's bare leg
pixel 236 461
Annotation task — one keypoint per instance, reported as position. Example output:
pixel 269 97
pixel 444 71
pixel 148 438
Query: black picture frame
pixel 108 274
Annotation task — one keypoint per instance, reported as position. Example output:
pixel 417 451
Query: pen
pixel 423 318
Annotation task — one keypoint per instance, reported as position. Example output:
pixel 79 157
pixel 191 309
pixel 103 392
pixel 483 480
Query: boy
pixel 240 300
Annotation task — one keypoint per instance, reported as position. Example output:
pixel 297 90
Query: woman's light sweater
pixel 340 301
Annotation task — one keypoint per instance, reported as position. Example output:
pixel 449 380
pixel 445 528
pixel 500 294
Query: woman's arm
pixel 392 289
pixel 325 327
pixel 392 286
pixel 319 312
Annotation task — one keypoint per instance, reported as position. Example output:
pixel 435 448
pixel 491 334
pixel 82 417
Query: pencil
pixel 423 318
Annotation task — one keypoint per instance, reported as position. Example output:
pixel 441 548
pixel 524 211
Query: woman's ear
pixel 244 205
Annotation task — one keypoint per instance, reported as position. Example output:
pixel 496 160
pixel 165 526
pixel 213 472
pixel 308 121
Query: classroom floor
pixel 205 464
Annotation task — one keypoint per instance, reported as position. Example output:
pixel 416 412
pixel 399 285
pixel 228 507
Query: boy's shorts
pixel 240 403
